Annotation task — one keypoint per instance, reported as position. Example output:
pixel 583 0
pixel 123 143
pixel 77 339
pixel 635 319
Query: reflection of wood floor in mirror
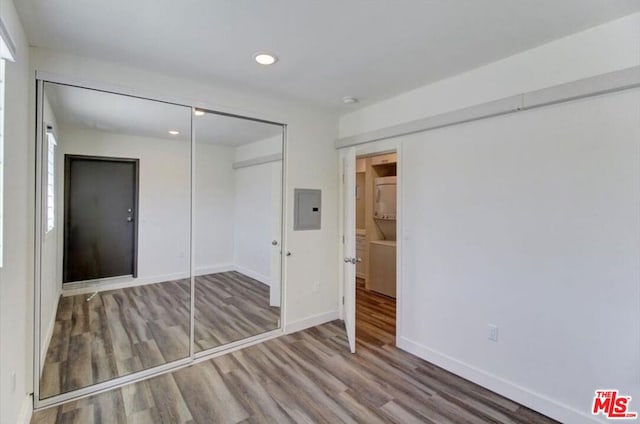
pixel 308 377
pixel 122 331
pixel 229 307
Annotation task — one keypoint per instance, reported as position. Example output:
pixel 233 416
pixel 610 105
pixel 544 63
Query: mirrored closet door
pixel 115 238
pixel 238 180
pixel 159 237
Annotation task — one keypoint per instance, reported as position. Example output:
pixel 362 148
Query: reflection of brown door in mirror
pixel 100 218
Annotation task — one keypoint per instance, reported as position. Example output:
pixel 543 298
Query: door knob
pixel 129 219
pixel 350 260
pixel 274 243
pixel 358 260
pixel 288 253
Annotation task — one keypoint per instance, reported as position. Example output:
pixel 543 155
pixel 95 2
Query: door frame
pixel 393 145
pixel 68 158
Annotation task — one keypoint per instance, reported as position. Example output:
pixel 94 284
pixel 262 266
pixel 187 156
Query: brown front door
pixel 100 218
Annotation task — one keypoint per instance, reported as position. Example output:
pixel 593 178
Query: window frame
pixel 7 54
pixel 50 223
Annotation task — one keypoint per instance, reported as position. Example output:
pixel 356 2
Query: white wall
pixel 16 275
pixel 609 47
pixel 253 219
pixel 214 213
pixel 527 221
pixel 311 133
pixel 163 251
pixel 164 196
pixel 233 208
pixel 257 201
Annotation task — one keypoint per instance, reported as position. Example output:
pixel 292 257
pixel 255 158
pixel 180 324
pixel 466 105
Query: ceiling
pixel 371 49
pixel 108 112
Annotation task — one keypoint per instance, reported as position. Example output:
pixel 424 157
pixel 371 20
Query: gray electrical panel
pixel 306 209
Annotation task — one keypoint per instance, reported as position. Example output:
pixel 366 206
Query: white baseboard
pixel 522 395
pixel 125 282
pixel 119 283
pixel 26 410
pixel 311 321
pixel 255 275
pixel 214 269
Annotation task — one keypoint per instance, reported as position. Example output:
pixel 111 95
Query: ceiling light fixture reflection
pixel 174 132
pixel 199 112
pixel 265 58
pixel 349 100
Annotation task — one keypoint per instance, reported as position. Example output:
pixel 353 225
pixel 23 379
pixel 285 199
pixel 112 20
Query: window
pixel 51 180
pixel 7 52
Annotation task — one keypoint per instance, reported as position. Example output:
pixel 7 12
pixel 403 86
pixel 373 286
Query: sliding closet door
pixel 237 233
pixel 115 237
pixel 153 246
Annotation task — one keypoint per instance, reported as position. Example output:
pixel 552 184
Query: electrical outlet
pixel 13 382
pixel 493 332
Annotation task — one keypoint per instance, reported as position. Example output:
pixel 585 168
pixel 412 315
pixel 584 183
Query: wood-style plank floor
pixel 306 377
pixel 122 331
pixel 231 306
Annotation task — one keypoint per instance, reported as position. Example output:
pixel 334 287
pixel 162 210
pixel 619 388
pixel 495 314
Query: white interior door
pixel 349 233
pixel 276 234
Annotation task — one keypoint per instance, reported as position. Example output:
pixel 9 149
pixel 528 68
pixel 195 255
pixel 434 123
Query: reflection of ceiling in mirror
pixel 108 112
pixel 229 131
pixel 114 113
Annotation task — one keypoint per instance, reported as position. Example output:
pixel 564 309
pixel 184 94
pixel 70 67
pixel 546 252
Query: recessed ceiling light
pixel 349 100
pixel 265 58
pixel 198 112
pixel 174 132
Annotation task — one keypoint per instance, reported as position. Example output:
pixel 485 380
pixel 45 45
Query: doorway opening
pixel 376 231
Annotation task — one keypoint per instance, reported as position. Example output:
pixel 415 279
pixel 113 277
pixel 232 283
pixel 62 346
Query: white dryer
pixel 382 254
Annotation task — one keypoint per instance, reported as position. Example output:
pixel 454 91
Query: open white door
pixel 349 233
pixel 276 234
